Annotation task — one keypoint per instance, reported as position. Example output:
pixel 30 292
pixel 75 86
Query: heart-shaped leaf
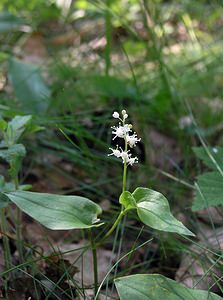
pixel 153 210
pixel 153 287
pixel 57 212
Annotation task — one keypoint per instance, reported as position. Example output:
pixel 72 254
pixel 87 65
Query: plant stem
pixel 108 38
pixel 19 243
pixel 113 227
pixel 7 253
pixel 18 224
pixel 124 178
pixel 95 262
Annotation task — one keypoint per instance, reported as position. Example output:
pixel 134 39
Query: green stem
pixel 7 253
pixel 124 177
pixel 113 227
pixel 95 262
pixel 121 214
pixel 18 224
pixel 108 38
pixel 19 242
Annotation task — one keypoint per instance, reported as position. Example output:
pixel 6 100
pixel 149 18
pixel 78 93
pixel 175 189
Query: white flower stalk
pixel 124 131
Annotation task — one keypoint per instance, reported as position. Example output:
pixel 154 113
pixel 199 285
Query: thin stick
pixel 7 253
pixel 95 262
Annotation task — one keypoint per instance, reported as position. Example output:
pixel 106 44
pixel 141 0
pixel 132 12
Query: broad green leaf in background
pixel 209 186
pixel 29 86
pixel 3 125
pixel 4 201
pixel 9 154
pixel 153 210
pixel 57 212
pixel 215 153
pixel 3 56
pixel 209 191
pixel 4 187
pixel 14 156
pixel 113 87
pixel 15 129
pixel 9 22
pixel 154 286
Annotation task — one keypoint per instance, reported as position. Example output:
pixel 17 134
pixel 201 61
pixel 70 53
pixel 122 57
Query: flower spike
pixel 124 131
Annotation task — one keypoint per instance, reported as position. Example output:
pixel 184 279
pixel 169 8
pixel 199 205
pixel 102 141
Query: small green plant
pixel 13 152
pixel 59 212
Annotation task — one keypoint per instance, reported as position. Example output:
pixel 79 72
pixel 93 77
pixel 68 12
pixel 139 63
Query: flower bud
pixel 115 115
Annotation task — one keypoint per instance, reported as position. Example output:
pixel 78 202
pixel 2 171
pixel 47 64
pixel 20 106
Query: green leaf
pixel 113 87
pixel 127 200
pixel 215 154
pixel 29 86
pixel 154 287
pixel 9 22
pixel 15 129
pixel 4 201
pixel 4 187
pixel 3 56
pixel 57 212
pixel 153 210
pixel 14 151
pixel 3 125
pixel 209 191
pixel 14 156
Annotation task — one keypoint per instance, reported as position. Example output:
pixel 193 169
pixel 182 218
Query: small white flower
pixel 125 156
pixel 120 131
pixel 127 128
pixel 125 116
pixel 123 112
pixel 132 160
pixel 132 140
pixel 115 152
pixel 215 150
pixel 115 115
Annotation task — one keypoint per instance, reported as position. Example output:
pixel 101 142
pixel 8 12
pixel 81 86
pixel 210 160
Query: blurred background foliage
pixel 72 63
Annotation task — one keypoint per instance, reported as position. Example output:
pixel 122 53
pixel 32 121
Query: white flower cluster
pixel 124 131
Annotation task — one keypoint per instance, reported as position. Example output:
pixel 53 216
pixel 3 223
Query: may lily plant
pixel 59 212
